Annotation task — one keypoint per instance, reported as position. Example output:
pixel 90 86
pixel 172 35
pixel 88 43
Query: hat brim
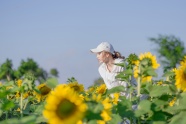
pixel 95 50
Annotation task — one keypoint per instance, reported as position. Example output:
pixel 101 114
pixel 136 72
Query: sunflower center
pixel 65 109
pixel 184 75
pixel 44 90
pixel 76 88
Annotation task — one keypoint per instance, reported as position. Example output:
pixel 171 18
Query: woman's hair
pixel 117 55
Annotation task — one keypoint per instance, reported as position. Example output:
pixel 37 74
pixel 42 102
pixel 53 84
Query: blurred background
pixel 56 36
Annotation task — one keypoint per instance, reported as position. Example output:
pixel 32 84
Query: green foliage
pixel 170 49
pixel 52 82
pixel 54 72
pixel 72 79
pixel 116 89
pixel 6 71
pixel 147 102
pixel 29 66
pixel 98 82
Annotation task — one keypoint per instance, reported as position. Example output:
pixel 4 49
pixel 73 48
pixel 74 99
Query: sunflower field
pixel 149 101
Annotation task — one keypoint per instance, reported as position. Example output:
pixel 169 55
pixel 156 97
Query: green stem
pixel 139 83
pixel 139 121
pixel 25 105
pixel 21 105
pixel 139 86
pixel 6 115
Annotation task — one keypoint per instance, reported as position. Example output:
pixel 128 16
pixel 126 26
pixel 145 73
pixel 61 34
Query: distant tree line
pixel 29 66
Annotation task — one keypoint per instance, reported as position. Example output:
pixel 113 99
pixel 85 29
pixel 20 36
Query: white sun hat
pixel 104 46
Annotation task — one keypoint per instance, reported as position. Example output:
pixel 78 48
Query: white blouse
pixel 109 77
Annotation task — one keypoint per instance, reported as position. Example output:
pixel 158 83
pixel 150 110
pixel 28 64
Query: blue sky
pixel 59 34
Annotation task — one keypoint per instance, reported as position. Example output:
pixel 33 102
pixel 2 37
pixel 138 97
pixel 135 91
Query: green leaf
pixel 40 120
pixel 124 108
pixel 120 64
pixel 128 71
pixel 159 116
pixel 159 90
pixel 143 108
pixel 39 109
pixel 10 121
pixel 52 82
pixel 179 118
pixel 3 94
pixel 92 122
pixel 169 73
pixel 28 120
pixel 1 111
pixel 94 110
pixel 116 89
pixel 8 105
pixel 151 72
pixel 159 122
pixel 10 83
pixel 159 104
pixel 116 118
pixel 181 102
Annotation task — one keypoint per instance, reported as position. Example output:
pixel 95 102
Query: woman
pixel 107 58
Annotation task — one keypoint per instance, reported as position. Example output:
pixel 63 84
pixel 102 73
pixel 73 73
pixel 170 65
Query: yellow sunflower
pixel 76 86
pixel 101 89
pixel 19 82
pixel 159 83
pixel 64 106
pixel 96 97
pixel 25 95
pixel 136 71
pixel 181 77
pixel 146 79
pixel 44 91
pixel 116 98
pixel 152 59
pixel 101 122
pixel 106 113
pixel 91 89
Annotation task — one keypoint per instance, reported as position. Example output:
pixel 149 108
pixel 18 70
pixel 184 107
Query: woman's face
pixel 102 57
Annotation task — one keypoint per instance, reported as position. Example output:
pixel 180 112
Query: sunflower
pixel 91 89
pixel 146 78
pixel 136 71
pixel 159 83
pixel 147 60
pixel 77 87
pixel 116 98
pixel 25 95
pixel 101 89
pixel 101 122
pixel 151 60
pixel 44 91
pixel 96 97
pixel 64 106
pixel 106 113
pixel 180 76
pixel 19 82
